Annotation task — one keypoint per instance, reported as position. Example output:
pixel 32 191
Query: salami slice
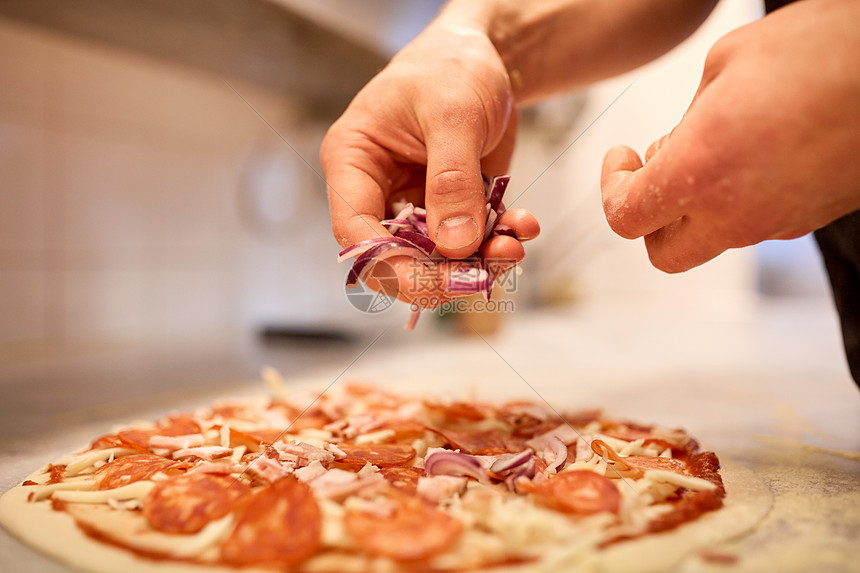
pixel 138 439
pixel 136 467
pixel 656 463
pixel 483 442
pixel 186 503
pixel 279 526
pixel 414 531
pixel 581 492
pixel 380 455
pixel 403 478
pixel 691 505
pixel 405 431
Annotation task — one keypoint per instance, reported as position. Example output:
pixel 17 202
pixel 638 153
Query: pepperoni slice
pixel 138 439
pixel 656 463
pixel 405 431
pixel 136 467
pixel 403 478
pixel 706 465
pixel 105 442
pixel 581 492
pixel 178 426
pixel 479 442
pixel 186 503
pixel 381 455
pixel 135 439
pixel 691 505
pixel 457 412
pixel 280 525
pixel 414 531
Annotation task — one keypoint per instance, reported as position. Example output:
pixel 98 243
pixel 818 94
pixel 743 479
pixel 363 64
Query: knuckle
pixel 454 186
pixel 721 53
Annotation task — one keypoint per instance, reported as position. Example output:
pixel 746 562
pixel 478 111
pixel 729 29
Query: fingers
pixel 523 223
pixel 637 200
pixel 356 200
pixel 680 246
pixel 456 206
pixel 502 253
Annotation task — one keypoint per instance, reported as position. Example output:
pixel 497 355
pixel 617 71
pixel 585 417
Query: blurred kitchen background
pixel 163 224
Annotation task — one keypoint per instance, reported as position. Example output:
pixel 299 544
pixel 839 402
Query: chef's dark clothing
pixel 840 247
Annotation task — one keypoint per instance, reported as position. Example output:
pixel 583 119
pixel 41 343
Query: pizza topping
pixel 218 468
pixel 691 505
pixel 48 490
pixel 415 531
pixel 403 478
pixel 270 469
pixel 172 443
pixel 509 467
pixel 310 472
pixel 581 492
pixel 339 484
pixel 436 489
pixel 551 449
pixel 208 453
pixel 186 503
pixel 454 464
pixel 56 473
pixel 136 490
pixel 302 453
pixel 136 467
pixel 364 481
pixel 380 455
pixel 656 463
pixel 279 526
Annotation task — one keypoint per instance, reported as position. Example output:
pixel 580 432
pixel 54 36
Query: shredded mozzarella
pixel 88 459
pixel 136 490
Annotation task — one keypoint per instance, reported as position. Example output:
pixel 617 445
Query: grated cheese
pixel 87 460
pixel 136 490
pixel 45 491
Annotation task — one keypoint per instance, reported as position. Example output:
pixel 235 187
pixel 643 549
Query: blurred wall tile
pixel 22 310
pixel 22 179
pixel 101 303
pixel 122 182
pixel 25 65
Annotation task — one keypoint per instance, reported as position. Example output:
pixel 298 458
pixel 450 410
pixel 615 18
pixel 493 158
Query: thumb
pixel 456 206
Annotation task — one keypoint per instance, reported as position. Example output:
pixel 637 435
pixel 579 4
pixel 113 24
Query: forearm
pixel 550 46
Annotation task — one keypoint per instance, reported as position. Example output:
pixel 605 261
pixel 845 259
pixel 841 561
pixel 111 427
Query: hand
pixel 767 150
pixel 425 129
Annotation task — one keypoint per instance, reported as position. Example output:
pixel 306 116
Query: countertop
pixel 764 385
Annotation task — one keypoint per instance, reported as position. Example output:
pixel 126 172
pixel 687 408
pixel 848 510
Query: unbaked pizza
pixel 363 479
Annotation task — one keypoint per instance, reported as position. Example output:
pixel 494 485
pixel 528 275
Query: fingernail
pixel 457 232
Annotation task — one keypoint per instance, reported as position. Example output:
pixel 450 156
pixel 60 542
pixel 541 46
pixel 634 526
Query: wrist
pixel 516 34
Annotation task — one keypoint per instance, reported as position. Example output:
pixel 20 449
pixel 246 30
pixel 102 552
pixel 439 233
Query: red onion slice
pixel 421 241
pixel 358 249
pixel 507 462
pixel 558 453
pixel 454 464
pixel 380 252
pixel 409 229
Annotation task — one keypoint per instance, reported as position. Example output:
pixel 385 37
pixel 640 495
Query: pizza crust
pixel 747 501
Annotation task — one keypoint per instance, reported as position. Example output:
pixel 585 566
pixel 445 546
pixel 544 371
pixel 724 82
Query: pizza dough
pixel 469 528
